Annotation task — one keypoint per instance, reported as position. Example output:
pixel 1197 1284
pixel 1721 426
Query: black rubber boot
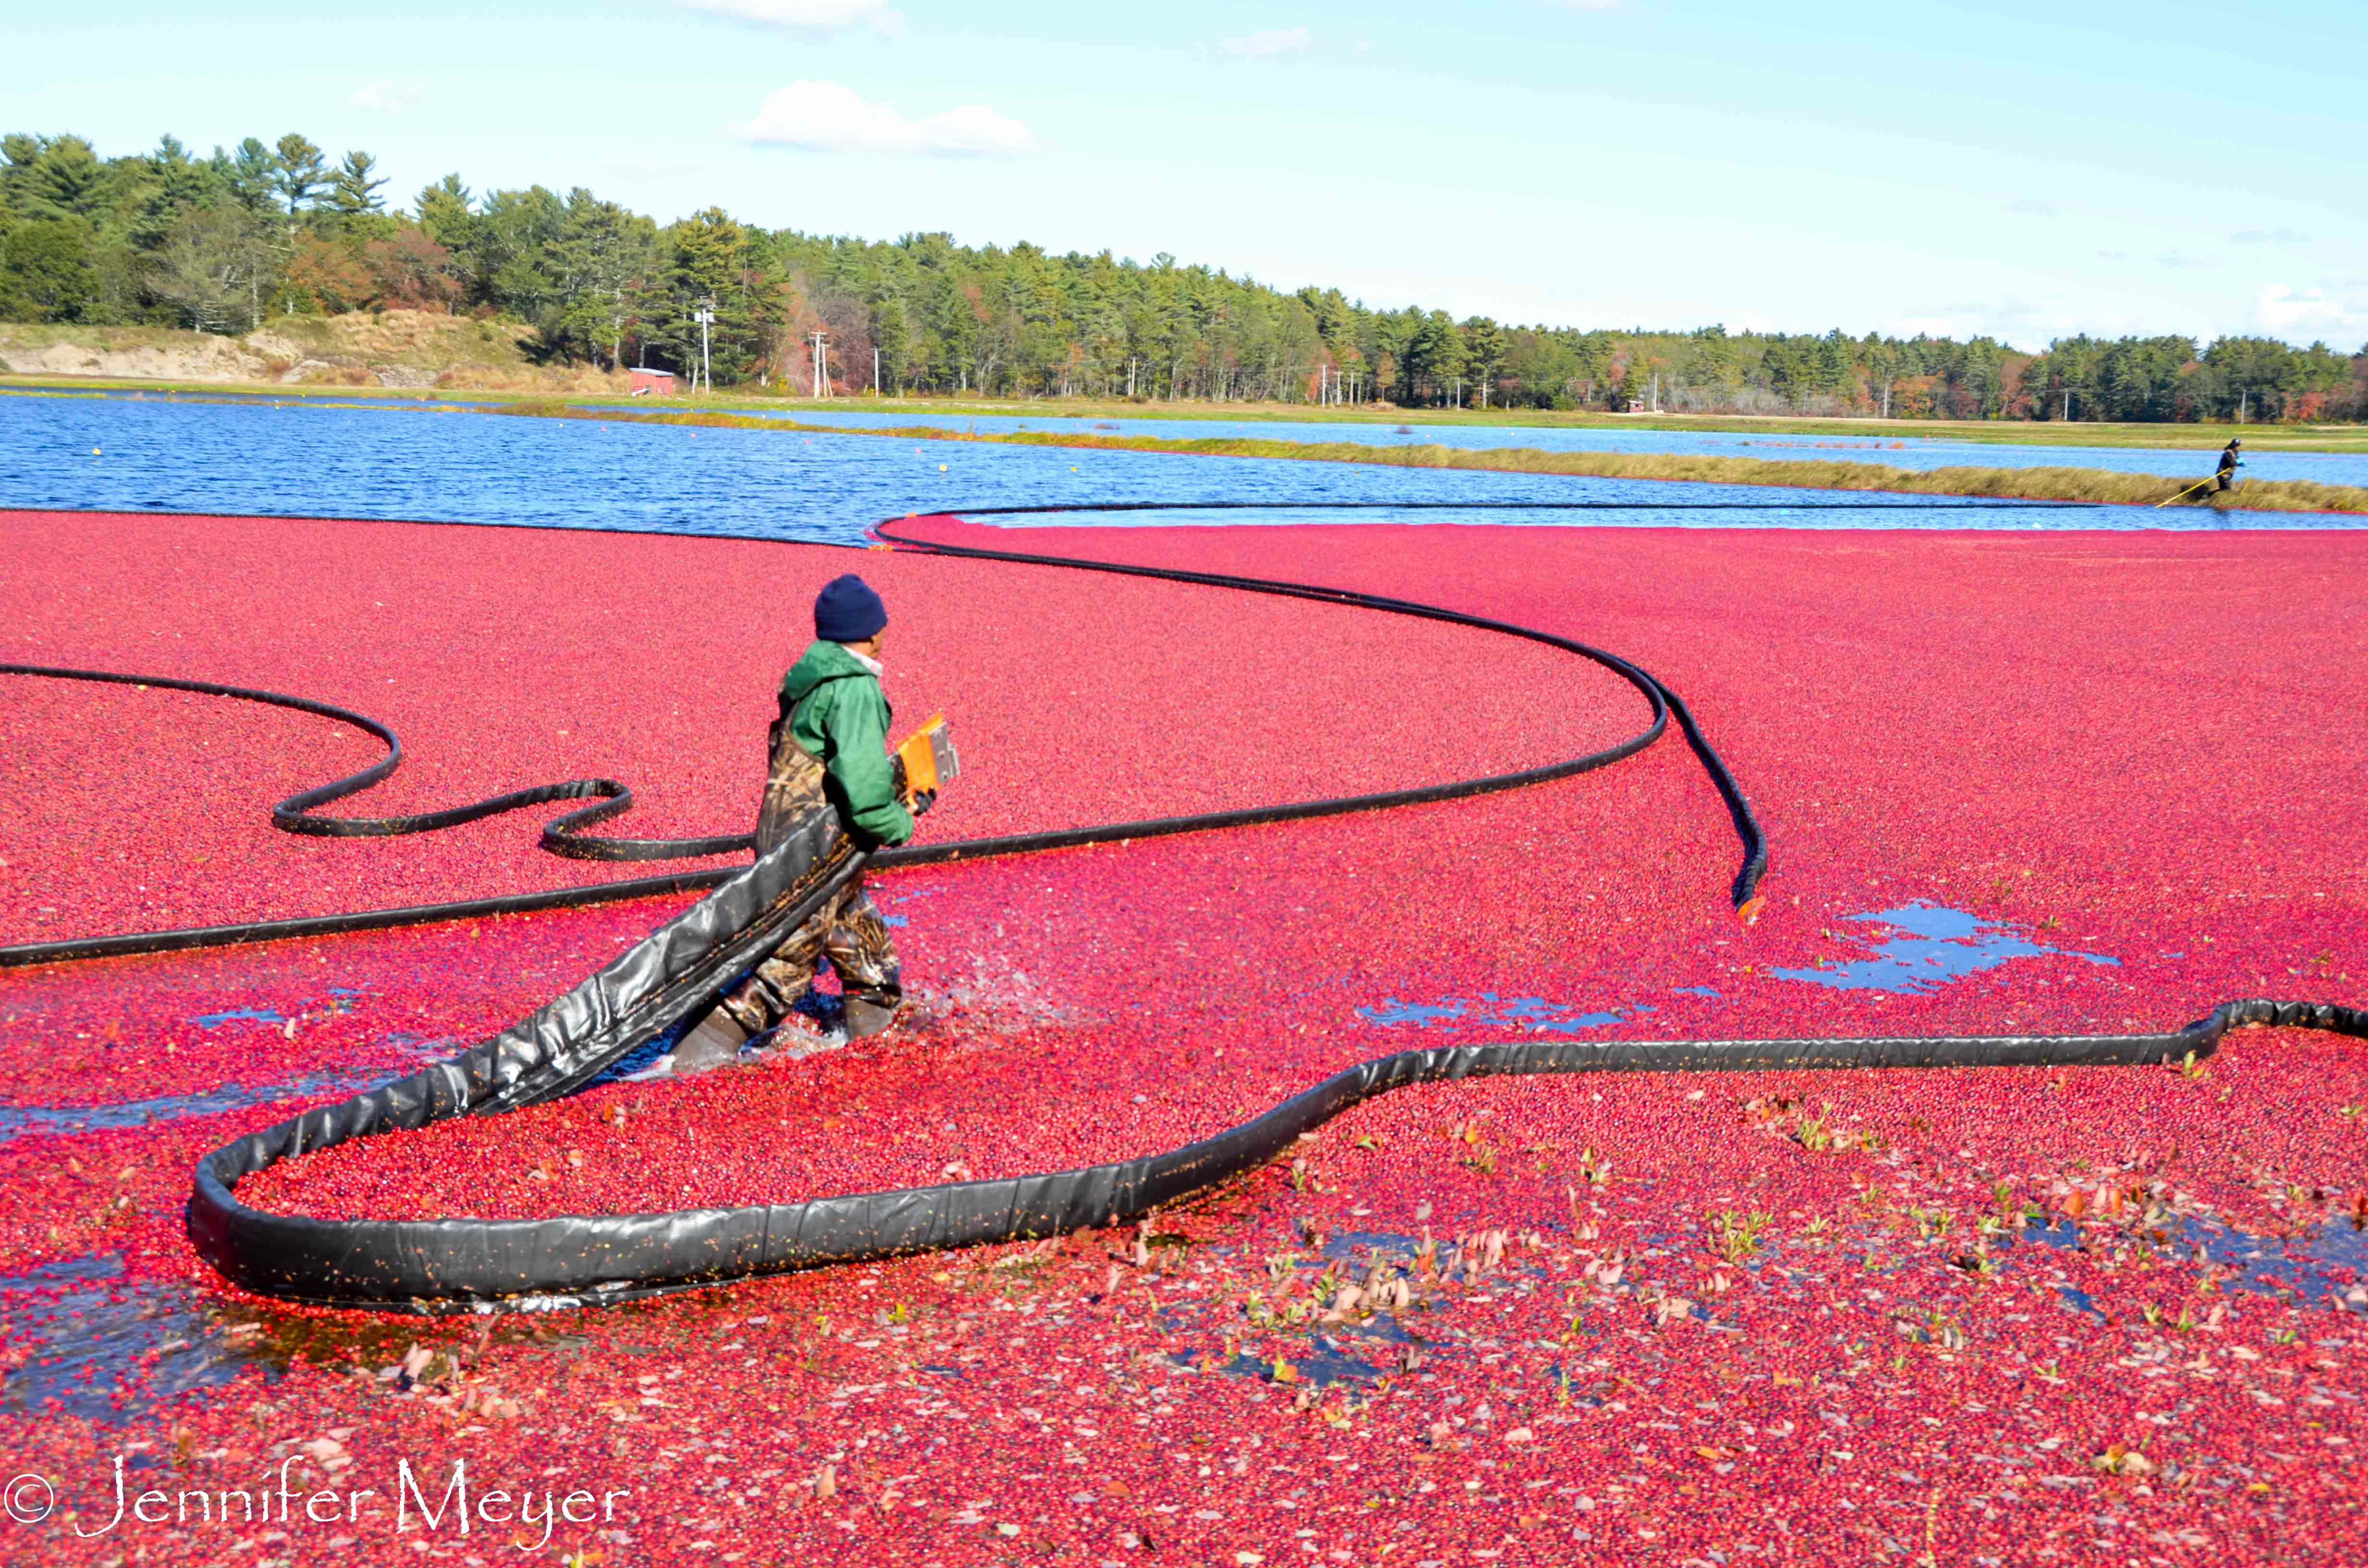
pixel 867 1017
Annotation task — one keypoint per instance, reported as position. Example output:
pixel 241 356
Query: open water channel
pixel 321 458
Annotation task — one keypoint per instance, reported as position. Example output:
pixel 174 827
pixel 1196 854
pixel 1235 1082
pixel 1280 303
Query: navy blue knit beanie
pixel 847 610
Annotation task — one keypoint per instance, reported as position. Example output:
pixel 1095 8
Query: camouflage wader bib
pixel 848 930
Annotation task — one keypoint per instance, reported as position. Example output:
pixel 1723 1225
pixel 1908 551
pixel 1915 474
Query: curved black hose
pixel 294 814
pixel 561 836
pixel 1746 826
pixel 485 1266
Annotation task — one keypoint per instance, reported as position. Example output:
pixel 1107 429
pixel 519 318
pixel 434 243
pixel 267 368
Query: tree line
pixel 223 242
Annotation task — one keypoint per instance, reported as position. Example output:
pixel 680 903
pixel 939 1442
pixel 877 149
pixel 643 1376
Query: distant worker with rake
pixel 2230 461
pixel 828 753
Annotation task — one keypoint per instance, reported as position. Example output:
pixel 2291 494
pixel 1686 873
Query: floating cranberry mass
pixel 2073 1314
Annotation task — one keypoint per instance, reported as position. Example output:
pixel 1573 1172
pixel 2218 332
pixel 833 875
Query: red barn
pixel 648 382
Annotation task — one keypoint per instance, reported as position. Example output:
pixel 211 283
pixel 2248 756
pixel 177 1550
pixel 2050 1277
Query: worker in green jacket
pixel 828 752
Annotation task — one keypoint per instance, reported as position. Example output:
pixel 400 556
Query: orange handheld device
pixel 928 756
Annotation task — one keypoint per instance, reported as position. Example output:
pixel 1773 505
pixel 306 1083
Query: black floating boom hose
pixel 562 835
pixel 294 814
pixel 1664 702
pixel 489 1266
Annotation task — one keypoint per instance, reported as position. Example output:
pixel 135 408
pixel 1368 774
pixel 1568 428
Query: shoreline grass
pixel 2045 483
pixel 2201 438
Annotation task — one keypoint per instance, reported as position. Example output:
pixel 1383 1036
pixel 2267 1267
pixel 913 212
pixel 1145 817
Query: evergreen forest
pixel 222 242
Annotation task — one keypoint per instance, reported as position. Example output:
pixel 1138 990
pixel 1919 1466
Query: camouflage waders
pixel 848 930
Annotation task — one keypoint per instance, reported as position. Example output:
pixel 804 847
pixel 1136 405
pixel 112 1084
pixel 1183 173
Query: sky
pixel 2025 170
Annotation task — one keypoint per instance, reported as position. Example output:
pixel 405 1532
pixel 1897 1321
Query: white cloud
pixel 385 96
pixel 1267 45
pixel 818 16
pixel 2291 312
pixel 828 118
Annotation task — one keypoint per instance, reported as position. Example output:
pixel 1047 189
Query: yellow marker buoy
pixel 942 468
pixel 94 451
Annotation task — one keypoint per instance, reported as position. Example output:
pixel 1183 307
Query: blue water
pixel 2198 459
pixel 341 1000
pixel 19 1121
pixel 240 1015
pixel 2324 1266
pixel 456 465
pixel 1933 947
pixel 1534 1014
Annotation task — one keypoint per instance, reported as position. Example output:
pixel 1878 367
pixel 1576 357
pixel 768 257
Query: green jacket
pixel 835 710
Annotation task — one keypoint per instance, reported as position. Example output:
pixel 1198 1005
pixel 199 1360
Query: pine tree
pixel 605 260
pixel 1483 349
pixel 250 173
pixel 296 173
pixel 63 181
pixel 46 272
pixel 354 192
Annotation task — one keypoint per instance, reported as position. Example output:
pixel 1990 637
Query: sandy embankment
pixel 391 348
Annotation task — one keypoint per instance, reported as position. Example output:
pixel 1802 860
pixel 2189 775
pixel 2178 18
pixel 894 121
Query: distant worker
pixel 828 753
pixel 2230 462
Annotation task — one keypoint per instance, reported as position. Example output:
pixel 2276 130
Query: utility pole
pixel 875 372
pixel 2244 398
pixel 821 365
pixel 705 316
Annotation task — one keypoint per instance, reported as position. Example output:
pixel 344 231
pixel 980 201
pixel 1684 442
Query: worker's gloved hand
pixel 923 800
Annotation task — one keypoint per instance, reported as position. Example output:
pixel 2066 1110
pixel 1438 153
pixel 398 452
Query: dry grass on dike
pixel 393 351
pixel 2001 483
